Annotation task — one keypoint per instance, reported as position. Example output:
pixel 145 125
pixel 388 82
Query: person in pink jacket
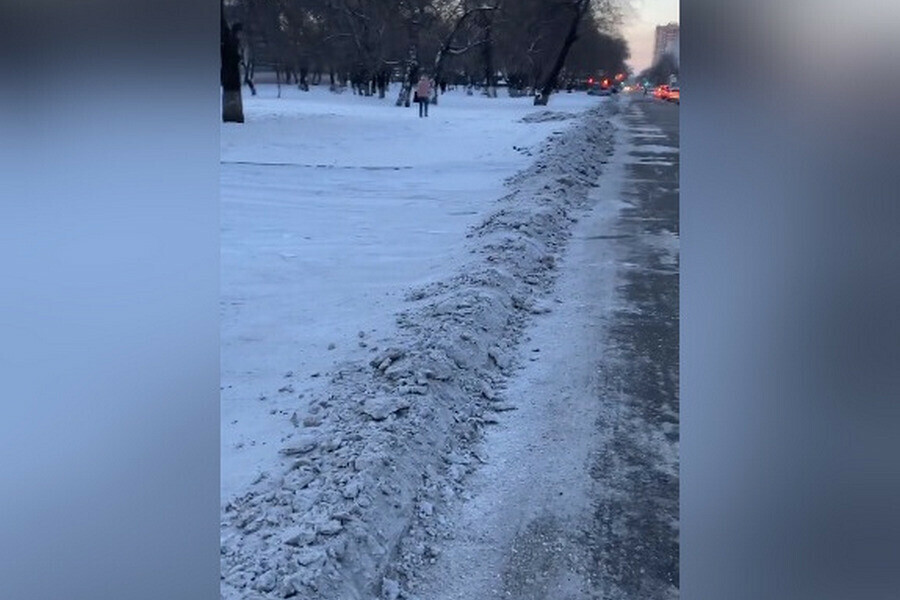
pixel 423 95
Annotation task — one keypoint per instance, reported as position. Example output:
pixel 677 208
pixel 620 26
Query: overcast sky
pixel 640 28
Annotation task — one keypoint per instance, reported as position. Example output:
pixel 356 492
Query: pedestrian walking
pixel 423 95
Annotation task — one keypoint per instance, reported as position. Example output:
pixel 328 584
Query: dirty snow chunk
pixel 300 481
pixel 311 421
pixel 379 408
pixel 331 527
pixel 390 589
pixel 456 472
pixel 302 447
pixel 309 556
pixel 419 390
pixel 499 358
pixel 332 443
pixel 396 370
pixel 299 536
pixel 343 516
pixel 384 359
pixel 426 509
pixel 543 116
pixel 502 407
pixel 297 583
pixel 266 582
pixel 352 489
pixel 541 309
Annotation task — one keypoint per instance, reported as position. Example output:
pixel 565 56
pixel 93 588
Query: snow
pixel 536 466
pixel 332 207
pixel 384 267
pixel 648 132
pixel 654 154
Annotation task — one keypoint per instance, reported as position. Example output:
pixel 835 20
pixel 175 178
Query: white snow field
pixel 332 206
pixel 378 270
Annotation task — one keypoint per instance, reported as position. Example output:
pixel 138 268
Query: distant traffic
pixel 670 92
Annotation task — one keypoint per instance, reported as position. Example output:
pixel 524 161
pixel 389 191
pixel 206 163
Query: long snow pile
pixel 358 504
pixel 547 115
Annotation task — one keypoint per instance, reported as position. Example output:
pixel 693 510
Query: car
pixel 599 90
pixel 674 95
pixel 661 92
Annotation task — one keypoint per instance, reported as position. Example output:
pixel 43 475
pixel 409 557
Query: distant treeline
pixel 370 43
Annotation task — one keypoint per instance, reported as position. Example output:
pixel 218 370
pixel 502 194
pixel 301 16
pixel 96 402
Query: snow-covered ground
pixel 333 206
pixel 379 271
pixel 534 484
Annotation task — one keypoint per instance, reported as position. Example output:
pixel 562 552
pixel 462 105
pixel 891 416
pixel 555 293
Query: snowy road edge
pixel 358 504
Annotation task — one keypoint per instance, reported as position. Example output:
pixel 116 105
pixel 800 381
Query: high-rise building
pixel 666 42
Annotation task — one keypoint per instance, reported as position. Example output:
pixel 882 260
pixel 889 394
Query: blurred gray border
pixel 109 420
pixel 790 477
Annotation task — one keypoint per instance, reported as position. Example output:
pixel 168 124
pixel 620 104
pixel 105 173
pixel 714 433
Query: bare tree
pixel 248 62
pixel 369 42
pixel 417 15
pixel 450 47
pixel 578 9
pixel 661 71
pixel 361 33
pixel 527 34
pixel 596 54
pixel 486 19
pixel 230 75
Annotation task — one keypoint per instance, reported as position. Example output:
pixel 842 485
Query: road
pixel 578 496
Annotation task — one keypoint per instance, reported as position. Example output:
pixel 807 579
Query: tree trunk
pixel 490 89
pixel 544 97
pixel 249 72
pixel 382 84
pixel 304 84
pixel 410 77
pixel 248 65
pixel 230 75
pixel 486 14
pixel 412 66
pixel 443 50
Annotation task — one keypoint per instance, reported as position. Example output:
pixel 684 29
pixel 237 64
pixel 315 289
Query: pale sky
pixel 639 28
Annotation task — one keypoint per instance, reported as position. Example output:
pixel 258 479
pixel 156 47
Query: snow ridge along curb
pixel 358 504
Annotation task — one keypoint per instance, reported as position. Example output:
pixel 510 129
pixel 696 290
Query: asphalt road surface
pixel 636 519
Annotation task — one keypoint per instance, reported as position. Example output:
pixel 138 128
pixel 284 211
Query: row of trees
pixel 535 46
pixel 661 71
